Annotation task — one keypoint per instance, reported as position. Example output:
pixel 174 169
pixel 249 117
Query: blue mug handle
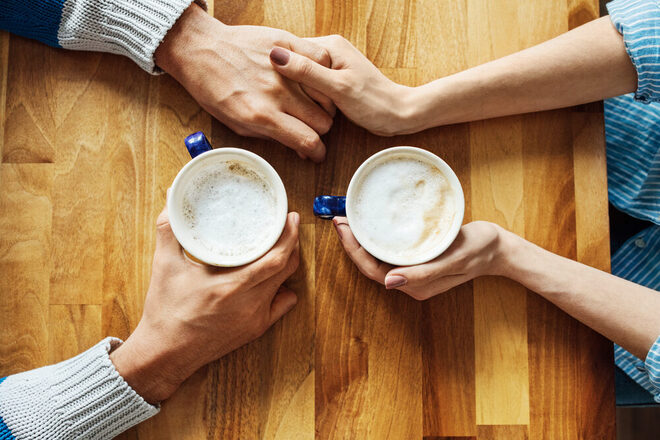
pixel 327 207
pixel 197 143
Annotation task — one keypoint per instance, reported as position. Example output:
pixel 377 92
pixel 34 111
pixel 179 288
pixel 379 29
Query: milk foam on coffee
pixel 404 206
pixel 229 208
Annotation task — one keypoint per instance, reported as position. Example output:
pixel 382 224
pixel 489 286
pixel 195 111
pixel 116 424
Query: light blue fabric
pixel 37 19
pixel 638 261
pixel 632 129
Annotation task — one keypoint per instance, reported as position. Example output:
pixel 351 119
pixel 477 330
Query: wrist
pixel 149 365
pixel 429 105
pixel 188 33
pixel 530 265
pixel 510 251
pixel 405 107
pixel 449 100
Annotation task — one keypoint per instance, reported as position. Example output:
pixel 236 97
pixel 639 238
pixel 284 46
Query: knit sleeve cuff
pixel 133 28
pixel 83 397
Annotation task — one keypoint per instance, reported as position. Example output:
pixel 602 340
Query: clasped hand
pixel 226 69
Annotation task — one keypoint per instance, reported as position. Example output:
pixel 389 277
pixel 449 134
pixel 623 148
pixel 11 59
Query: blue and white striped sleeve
pixel 639 23
pixel 82 397
pixel 133 28
pixel 652 364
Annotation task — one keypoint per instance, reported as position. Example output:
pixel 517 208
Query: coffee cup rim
pixel 180 229
pixel 454 229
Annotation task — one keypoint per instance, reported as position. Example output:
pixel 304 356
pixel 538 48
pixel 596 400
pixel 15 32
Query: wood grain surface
pixel 89 144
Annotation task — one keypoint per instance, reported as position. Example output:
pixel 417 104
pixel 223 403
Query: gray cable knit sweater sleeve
pixel 81 398
pixel 133 28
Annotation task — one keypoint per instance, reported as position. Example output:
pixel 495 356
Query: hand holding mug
pixel 194 313
pixel 477 251
pixel 405 208
pixel 227 207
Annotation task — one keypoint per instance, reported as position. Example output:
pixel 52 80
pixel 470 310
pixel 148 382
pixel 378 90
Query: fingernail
pixel 279 56
pixel 339 231
pixel 296 218
pixel 394 281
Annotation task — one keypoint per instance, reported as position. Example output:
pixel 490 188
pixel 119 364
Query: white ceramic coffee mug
pixel 207 160
pixel 330 206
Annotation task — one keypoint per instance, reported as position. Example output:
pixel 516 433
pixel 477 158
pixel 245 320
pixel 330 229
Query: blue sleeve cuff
pixel 653 368
pixel 639 23
pixel 39 20
pixel 5 433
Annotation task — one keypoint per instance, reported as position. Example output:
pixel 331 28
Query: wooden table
pixel 91 143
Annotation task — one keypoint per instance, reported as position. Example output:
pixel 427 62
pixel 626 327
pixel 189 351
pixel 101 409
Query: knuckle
pixel 484 226
pixel 274 88
pixel 422 276
pixel 323 57
pixel 343 84
pixel 293 264
pixel 166 264
pixel 278 262
pixel 325 124
pixel 337 40
pixel 310 143
pixel 256 114
pixel 385 131
pixel 304 67
pixel 163 226
pixel 241 131
pixel 260 119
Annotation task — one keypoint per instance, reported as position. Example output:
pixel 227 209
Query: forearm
pixel 586 64
pixel 622 311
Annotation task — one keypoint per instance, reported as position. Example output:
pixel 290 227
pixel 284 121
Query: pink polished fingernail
pixel 279 56
pixel 394 281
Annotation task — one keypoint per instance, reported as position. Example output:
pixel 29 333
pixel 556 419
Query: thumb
pixel 303 70
pixel 165 238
